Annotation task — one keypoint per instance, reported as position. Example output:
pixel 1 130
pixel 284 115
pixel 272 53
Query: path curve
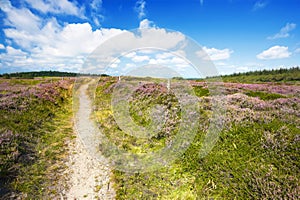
pixel 89 176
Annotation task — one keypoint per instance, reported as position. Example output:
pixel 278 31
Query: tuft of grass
pixel 200 91
pixel 264 95
pixel 26 82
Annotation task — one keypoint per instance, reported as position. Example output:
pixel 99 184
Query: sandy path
pixel 89 176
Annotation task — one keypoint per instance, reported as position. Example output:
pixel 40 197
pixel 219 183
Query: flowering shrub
pixel 24 109
pixel 256 155
pixel 18 97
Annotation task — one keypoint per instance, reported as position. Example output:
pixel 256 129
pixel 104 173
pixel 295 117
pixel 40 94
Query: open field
pixel 256 155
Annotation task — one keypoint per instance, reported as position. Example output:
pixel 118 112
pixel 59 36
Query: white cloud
pixel 115 63
pixel 164 55
pixel 15 52
pixel 96 7
pixel 2 46
pixel 214 54
pixel 45 44
pixel 152 37
pixel 170 60
pixel 284 31
pixel 297 50
pixel 230 68
pixel 275 52
pixel 96 4
pixel 130 55
pixel 259 5
pixel 12 58
pixel 22 19
pixel 57 7
pixel 140 7
pixel 145 23
pixel 140 58
pixel 48 44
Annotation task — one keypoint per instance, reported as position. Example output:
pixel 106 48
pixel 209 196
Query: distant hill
pixel 28 75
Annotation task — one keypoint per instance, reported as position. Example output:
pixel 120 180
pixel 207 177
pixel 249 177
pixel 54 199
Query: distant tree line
pixel 273 75
pixel 267 72
pixel 30 75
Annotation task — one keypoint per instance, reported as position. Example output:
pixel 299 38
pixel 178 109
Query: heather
pixel 256 155
pixel 35 122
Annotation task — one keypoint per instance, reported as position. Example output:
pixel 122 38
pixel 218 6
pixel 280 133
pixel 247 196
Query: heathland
pixel 256 155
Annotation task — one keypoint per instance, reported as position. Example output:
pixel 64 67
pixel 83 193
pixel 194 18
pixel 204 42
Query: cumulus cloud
pixel 169 61
pixel 15 52
pixel 21 19
pixel 275 52
pixel 140 8
pixel 57 7
pixel 140 58
pixel 259 5
pixel 130 55
pixel 145 23
pixel 44 43
pixel 143 40
pixel 214 54
pixel 284 31
pixel 37 43
pixel 2 46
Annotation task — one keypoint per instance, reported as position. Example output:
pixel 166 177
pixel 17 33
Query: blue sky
pixel 238 35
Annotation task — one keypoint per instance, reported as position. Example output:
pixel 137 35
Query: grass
pixel 46 174
pixel 253 158
pixel 200 91
pixel 26 82
pixel 33 151
pixel 264 95
pixel 238 167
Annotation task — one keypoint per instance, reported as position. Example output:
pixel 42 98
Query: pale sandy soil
pixel 89 175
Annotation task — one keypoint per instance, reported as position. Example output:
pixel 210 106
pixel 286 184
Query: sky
pixel 237 35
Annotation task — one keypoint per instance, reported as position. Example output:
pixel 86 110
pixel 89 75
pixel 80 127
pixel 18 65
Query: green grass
pixel 200 91
pixel 238 167
pixel 264 95
pixel 38 179
pixel 32 162
pixel 251 160
pixel 24 82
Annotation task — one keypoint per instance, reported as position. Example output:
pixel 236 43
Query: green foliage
pixel 200 91
pixel 264 95
pixel 140 109
pixel 32 139
pixel 278 75
pixel 30 75
pixel 240 166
